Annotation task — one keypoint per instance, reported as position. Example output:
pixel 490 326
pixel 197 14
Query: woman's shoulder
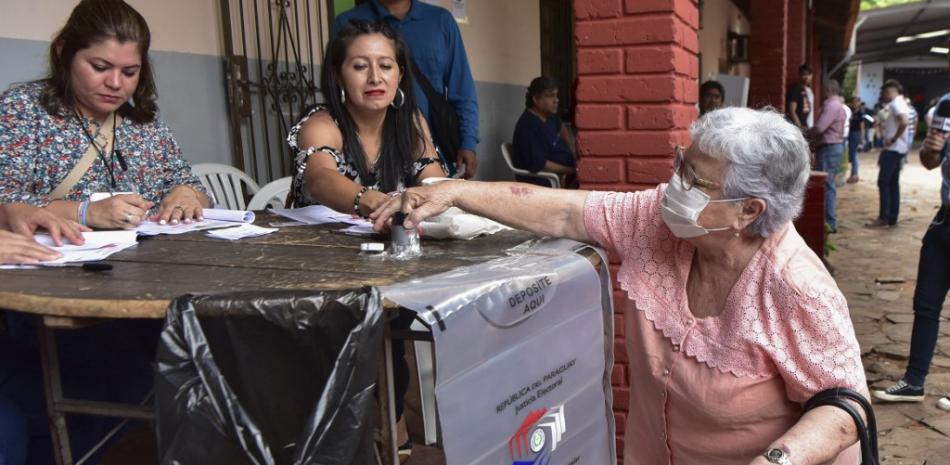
pixel 316 128
pixel 799 275
pixel 23 98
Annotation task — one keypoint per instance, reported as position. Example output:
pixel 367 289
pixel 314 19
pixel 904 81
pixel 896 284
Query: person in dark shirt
pixel 799 100
pixel 855 136
pixel 711 96
pixel 541 141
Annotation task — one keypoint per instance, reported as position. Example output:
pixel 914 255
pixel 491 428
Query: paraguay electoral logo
pixel 537 437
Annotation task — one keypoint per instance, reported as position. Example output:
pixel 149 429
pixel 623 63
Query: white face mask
pixel 682 207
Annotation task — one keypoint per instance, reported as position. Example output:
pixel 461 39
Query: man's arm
pixel 461 86
pixel 901 128
pixel 930 152
pixel 792 112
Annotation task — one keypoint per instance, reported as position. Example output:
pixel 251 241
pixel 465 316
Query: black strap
pixel 867 432
pixel 430 91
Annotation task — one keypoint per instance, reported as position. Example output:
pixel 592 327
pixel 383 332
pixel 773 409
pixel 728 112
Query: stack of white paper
pixel 151 228
pixel 318 214
pixel 98 246
pixel 240 232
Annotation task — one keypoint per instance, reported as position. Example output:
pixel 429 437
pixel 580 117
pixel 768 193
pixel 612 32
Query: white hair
pixel 766 157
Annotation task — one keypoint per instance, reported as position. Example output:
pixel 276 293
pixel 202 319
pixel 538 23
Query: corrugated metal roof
pixel 879 29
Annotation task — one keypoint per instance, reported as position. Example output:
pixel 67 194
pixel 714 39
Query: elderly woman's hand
pixel 182 204
pixel 16 249
pixel 25 219
pixel 419 202
pixel 124 211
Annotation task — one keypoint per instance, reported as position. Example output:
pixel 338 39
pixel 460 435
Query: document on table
pixel 317 214
pixel 99 245
pixel 151 228
pixel 239 216
pixel 240 232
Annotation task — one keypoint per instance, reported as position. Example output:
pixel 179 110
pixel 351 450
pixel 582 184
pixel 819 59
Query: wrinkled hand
pixel 935 141
pixel 25 219
pixel 182 204
pixel 118 212
pixel 419 202
pixel 466 158
pixel 16 249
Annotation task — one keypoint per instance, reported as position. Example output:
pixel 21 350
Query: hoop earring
pixel 402 99
pixel 342 96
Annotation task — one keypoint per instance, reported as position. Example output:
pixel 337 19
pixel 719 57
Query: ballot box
pixel 514 356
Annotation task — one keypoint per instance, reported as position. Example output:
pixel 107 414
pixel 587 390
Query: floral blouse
pixel 343 164
pixel 38 150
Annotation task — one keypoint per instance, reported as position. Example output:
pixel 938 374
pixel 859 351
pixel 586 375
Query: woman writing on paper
pixel 91 127
pixel 368 138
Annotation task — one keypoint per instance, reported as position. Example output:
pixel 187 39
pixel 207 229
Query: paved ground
pixel 877 270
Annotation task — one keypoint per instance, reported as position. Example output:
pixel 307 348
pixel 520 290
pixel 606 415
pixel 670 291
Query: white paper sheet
pixel 151 228
pixel 317 214
pixel 239 216
pixel 359 230
pixel 99 245
pixel 240 232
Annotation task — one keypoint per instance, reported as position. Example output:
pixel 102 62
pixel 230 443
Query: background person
pixel 855 137
pixel 828 133
pixel 711 96
pixel 891 160
pixel 732 321
pixel 97 105
pixel 436 44
pixel 541 142
pixel 369 138
pixel 933 281
pixel 799 100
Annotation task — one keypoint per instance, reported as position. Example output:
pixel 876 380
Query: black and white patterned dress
pixel 344 165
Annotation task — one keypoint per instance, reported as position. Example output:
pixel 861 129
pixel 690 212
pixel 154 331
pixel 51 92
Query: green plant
pixel 872 4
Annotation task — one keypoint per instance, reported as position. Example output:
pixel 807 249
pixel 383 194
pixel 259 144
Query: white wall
pixel 191 26
pixel 871 76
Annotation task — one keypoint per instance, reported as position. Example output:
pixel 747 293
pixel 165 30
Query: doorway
pixel 557 51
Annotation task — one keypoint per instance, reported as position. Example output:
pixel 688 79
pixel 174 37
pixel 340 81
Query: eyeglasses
pixel 687 175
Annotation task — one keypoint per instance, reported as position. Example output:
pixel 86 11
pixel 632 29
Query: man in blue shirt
pixel 933 279
pixel 437 49
pixel 541 142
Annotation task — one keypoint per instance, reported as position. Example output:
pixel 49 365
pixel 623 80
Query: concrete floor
pixel 877 270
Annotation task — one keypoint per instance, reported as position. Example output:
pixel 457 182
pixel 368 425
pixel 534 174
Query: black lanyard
pixel 115 155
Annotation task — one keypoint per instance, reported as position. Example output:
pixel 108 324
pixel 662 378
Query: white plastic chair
pixel 552 178
pixel 225 182
pixel 273 194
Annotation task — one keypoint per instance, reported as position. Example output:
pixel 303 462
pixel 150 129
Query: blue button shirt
pixel 436 45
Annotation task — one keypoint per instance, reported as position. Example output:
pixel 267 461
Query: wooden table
pixel 158 269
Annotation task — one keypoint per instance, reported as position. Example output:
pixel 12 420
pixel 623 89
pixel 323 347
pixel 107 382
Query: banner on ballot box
pixel 522 352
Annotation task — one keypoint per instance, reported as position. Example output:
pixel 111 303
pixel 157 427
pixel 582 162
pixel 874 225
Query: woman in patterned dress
pixel 369 138
pixel 731 321
pixel 99 94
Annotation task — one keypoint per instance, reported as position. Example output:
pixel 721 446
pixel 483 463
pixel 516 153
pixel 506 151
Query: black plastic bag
pixel 265 378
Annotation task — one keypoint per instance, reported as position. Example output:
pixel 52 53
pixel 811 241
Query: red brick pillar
pixel 796 39
pixel 636 95
pixel 768 53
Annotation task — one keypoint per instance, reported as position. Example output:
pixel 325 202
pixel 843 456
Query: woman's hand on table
pixel 16 249
pixel 25 220
pixel 124 211
pixel 182 205
pixel 419 202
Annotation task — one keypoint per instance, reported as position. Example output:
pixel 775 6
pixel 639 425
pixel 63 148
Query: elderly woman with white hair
pixel 732 322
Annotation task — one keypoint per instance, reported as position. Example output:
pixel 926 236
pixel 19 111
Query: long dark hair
pixel 402 138
pixel 90 22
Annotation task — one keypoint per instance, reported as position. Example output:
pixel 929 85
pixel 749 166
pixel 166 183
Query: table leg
pixel 387 404
pixel 52 384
